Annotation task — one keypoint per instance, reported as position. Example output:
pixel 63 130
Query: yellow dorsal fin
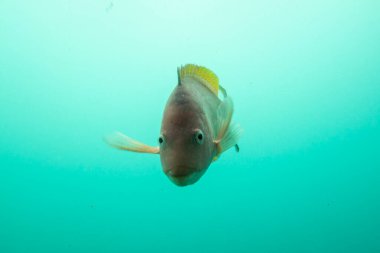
pixel 202 74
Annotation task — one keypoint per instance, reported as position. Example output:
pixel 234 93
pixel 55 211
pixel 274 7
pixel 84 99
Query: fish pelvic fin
pixel 123 142
pixel 201 74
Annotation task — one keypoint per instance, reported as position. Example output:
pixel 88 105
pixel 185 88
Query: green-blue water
pixel 305 80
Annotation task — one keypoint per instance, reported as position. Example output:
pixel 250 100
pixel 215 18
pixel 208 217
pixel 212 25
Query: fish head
pixel 186 144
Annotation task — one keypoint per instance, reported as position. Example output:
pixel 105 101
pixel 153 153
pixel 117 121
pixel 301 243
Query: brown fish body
pixel 196 127
pixel 190 110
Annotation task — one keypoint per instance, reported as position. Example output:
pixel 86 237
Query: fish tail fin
pixel 223 90
pixel 123 142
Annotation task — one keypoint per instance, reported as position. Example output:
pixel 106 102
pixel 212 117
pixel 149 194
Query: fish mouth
pixel 183 181
pixel 183 176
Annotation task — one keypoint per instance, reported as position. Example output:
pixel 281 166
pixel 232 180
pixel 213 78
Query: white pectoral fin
pixel 224 116
pixel 123 142
pixel 231 138
pixel 228 133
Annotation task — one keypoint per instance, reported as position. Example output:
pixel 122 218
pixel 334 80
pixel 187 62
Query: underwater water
pixel 305 80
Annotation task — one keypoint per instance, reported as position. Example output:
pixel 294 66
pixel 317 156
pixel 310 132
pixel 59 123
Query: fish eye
pixel 161 139
pixel 199 137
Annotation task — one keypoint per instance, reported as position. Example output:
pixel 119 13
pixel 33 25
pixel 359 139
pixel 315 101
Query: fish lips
pixel 184 176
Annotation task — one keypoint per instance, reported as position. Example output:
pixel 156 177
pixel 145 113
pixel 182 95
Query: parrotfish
pixel 196 127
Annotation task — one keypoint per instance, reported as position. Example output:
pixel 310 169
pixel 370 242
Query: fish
pixel 196 127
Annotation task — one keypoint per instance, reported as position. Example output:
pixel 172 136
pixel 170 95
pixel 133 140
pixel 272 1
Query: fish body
pixel 196 127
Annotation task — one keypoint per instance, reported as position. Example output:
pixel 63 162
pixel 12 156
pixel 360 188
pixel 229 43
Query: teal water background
pixel 305 80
